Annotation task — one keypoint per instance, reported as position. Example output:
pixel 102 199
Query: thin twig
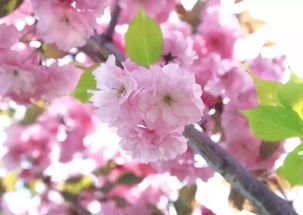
pixel 113 22
pixel 99 46
pixel 241 179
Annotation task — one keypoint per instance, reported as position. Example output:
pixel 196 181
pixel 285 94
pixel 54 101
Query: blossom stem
pixel 240 178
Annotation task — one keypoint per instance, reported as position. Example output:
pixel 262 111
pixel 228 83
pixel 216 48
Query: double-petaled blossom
pixel 56 81
pixel 28 145
pixel 116 89
pixel 147 145
pixel 70 122
pixel 268 68
pixel 140 201
pixel 150 107
pixel 185 167
pixel 178 48
pixel 72 20
pixel 63 125
pixel 173 97
pixel 219 30
pixel 23 80
pixel 17 77
pixel 8 36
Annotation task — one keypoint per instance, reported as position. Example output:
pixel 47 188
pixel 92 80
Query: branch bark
pixel 241 179
pixel 98 47
pixel 113 21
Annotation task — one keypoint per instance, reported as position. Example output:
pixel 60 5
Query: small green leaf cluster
pixel 278 117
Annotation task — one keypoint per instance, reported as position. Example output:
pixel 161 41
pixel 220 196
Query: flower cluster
pixel 150 107
pixel 73 20
pixel 23 79
pixel 227 85
pixel 57 135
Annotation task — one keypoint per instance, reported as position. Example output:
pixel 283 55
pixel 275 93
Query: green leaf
pixel 51 51
pixel 129 178
pixel 8 112
pixel 291 95
pixel 107 187
pixel 106 170
pixel 186 200
pixel 31 115
pixel 76 184
pixel 143 39
pixel 87 82
pixel 8 6
pixel 274 123
pixel 292 168
pixel 266 91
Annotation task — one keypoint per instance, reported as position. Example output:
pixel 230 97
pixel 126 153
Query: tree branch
pixel 98 47
pixel 241 179
pixel 113 22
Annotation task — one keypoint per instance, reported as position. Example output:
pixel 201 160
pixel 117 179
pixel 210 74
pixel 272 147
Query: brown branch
pixel 99 46
pixel 240 178
pixel 113 22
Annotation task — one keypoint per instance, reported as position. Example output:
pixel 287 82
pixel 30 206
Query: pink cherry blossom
pixel 116 86
pixel 178 49
pixel 72 120
pixel 148 145
pixel 55 81
pixel 57 21
pixel 166 98
pixel 173 97
pixel 138 199
pixel 28 144
pixel 185 168
pixel 64 125
pixel 219 30
pixel 222 77
pixel 23 80
pixel 17 76
pixel 268 69
pixel 209 68
pixel 8 36
pixel 183 27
